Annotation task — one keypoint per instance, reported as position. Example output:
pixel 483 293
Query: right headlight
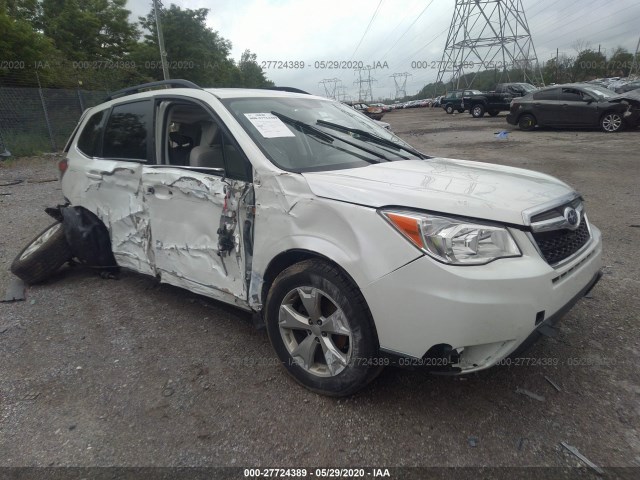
pixel 451 240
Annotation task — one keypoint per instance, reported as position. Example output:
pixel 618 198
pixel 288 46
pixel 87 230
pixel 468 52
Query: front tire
pixel 42 256
pixel 449 109
pixel 321 329
pixel 477 111
pixel 611 122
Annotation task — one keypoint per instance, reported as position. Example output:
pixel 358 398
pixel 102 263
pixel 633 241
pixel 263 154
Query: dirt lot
pixel 129 372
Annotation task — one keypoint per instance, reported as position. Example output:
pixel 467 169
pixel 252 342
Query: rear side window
pixel 89 141
pixel 128 131
pixel 551 94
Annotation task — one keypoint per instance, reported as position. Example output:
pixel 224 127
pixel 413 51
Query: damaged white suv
pixel 356 250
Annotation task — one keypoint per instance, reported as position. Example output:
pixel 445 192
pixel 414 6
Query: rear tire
pixel 527 122
pixel 493 113
pixel 43 255
pixel 611 122
pixel 477 111
pixel 321 329
pixel 461 110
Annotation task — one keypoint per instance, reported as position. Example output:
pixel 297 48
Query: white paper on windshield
pixel 269 125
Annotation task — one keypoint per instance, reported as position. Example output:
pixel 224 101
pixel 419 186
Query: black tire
pixel 477 111
pixel 493 113
pixel 43 255
pixel 527 122
pixel 461 110
pixel 449 109
pixel 311 292
pixel 612 122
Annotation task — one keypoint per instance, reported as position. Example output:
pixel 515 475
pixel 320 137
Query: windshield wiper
pixel 373 138
pixel 327 136
pixel 319 133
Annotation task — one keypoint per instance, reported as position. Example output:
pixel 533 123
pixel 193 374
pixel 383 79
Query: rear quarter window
pixel 89 140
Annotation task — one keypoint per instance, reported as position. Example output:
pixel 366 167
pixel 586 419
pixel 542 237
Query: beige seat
pixel 207 154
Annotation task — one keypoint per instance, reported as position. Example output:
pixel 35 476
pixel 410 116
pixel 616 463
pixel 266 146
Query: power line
pixel 367 29
pixel 408 28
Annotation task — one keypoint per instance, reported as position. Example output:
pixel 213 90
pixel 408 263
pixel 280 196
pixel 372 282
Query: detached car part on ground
pixel 576 105
pixel 356 250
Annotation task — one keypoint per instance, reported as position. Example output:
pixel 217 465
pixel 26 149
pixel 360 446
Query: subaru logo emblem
pixel 572 217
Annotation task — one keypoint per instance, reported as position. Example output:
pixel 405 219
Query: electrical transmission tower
pixel 489 35
pixel 365 92
pixel 331 87
pixel 635 69
pixel 400 79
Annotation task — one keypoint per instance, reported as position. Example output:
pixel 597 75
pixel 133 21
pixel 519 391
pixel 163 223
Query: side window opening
pixel 194 138
pixel 89 140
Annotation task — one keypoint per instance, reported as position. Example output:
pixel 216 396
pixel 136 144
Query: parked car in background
pixel 385 108
pixel 496 101
pixel 452 101
pixel 627 87
pixel 375 113
pixel 576 105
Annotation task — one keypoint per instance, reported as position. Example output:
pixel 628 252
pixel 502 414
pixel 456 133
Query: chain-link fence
pixel 34 119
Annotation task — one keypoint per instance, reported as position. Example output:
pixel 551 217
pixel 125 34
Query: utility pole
pixel 157 5
pixel 487 35
pixel 400 80
pixel 331 87
pixel 634 65
pixel 365 92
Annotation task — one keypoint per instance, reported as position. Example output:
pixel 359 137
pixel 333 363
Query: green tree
pixel 194 51
pixel 96 30
pixel 252 75
pixel 26 10
pixel 23 49
pixel 588 65
pixel 620 62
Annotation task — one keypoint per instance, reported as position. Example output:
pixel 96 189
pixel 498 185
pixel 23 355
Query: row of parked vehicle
pixel 587 105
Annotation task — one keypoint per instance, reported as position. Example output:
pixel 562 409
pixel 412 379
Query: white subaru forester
pixel 355 249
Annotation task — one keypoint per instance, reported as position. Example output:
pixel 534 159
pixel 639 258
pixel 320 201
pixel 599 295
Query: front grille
pixel 557 245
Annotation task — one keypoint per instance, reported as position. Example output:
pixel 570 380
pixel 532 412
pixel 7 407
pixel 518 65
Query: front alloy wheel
pixel 321 329
pixel 611 122
pixel 315 331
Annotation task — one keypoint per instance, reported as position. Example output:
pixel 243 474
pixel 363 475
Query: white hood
pixel 457 187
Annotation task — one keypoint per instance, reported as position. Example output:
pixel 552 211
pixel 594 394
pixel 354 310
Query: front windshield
pixel 599 92
pixel 312 145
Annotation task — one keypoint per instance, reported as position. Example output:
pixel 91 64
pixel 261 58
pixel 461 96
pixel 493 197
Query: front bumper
pixel 484 313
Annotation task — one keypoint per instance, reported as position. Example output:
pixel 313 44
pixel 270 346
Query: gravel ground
pixel 128 372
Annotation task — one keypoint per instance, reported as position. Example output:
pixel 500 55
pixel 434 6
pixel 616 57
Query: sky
pixel 396 36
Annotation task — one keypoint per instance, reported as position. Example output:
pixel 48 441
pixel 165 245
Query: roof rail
pixel 177 83
pixel 286 89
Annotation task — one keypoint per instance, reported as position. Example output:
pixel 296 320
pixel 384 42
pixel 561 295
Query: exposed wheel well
pixel 288 258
